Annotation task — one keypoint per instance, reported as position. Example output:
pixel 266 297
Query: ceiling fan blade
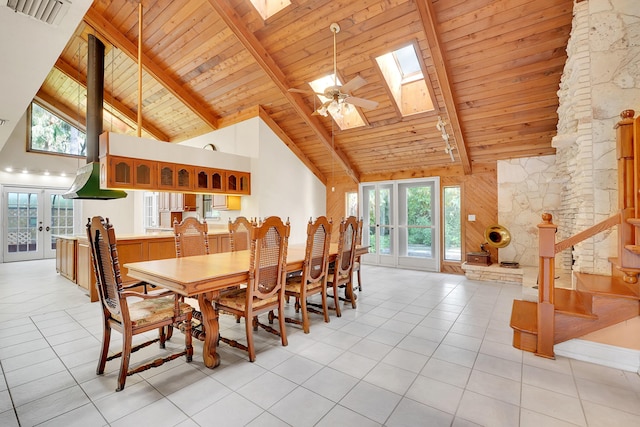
pixel 353 84
pixel 308 92
pixel 361 102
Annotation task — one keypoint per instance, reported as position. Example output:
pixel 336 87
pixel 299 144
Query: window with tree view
pixel 452 228
pixel 52 134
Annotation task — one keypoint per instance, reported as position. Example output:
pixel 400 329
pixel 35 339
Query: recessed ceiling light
pixel 46 173
pixel 8 169
pixel 25 171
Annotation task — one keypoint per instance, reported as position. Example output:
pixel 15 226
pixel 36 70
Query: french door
pixel 401 223
pixel 31 219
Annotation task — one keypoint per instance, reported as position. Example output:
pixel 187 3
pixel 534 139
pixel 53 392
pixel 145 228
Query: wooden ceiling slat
pixel 124 44
pixel 501 61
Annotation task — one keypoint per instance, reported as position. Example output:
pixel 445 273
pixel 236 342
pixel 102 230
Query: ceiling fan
pixel 338 96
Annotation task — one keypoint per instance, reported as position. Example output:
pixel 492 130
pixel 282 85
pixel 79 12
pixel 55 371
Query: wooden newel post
pixel 546 309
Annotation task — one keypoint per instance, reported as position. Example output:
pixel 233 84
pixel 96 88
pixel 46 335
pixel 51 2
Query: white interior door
pixel 31 219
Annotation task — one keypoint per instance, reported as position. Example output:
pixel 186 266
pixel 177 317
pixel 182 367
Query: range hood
pixel 87 182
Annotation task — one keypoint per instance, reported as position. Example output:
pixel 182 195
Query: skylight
pixel 408 64
pixel 403 73
pixel 268 8
pixel 345 115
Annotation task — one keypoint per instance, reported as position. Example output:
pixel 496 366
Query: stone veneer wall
pixel 527 188
pixel 601 78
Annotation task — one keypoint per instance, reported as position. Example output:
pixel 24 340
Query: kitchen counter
pixel 76 255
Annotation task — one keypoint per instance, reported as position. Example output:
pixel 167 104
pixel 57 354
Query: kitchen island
pixel 74 262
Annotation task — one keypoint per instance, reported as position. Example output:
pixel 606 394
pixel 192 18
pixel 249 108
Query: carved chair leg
pixel 250 328
pixel 124 360
pixel 162 337
pixel 281 321
pixel 305 315
pixel 188 340
pixel 104 351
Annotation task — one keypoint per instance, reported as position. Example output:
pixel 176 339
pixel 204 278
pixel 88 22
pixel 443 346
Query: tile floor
pixel 421 349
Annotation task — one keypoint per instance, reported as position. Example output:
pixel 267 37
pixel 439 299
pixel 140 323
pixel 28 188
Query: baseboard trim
pixel 600 354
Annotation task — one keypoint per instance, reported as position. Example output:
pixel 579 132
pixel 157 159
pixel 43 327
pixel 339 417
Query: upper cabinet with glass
pixel 139 165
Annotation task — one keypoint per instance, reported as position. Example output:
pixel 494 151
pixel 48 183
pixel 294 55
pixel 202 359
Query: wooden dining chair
pixel 130 312
pixel 191 237
pixel 341 275
pixel 265 288
pixel 356 260
pixel 239 233
pixel 313 280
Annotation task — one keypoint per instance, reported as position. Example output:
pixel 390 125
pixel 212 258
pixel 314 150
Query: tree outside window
pixel 52 134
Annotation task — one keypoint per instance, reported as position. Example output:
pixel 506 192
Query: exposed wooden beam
pixel 266 62
pixel 292 146
pixel 69 71
pixel 117 39
pixel 427 14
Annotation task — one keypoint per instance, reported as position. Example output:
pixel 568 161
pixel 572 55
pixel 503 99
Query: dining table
pixel 204 276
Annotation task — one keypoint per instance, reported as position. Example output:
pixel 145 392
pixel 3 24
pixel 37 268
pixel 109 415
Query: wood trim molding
pixel 266 62
pixel 425 7
pixel 110 33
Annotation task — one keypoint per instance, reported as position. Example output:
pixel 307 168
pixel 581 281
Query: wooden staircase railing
pixel 598 301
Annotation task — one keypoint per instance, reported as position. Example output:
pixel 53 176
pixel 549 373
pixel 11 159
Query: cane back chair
pixel 240 233
pixel 341 274
pixel 147 312
pixel 314 273
pixel 265 288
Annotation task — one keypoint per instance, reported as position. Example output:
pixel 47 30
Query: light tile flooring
pixel 421 349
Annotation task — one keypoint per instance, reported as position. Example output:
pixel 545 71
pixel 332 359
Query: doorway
pixel 401 223
pixel 32 217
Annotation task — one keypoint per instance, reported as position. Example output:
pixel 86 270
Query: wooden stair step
pixel 570 302
pixel 524 322
pixel 611 286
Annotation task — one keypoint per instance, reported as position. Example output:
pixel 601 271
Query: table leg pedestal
pixel 210 323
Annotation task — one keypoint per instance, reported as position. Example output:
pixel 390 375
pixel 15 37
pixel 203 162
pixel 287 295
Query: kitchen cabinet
pixel 133 249
pixel 141 174
pixel 238 182
pixel 65 257
pixel 226 203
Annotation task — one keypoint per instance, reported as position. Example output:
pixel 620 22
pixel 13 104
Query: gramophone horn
pixel 497 236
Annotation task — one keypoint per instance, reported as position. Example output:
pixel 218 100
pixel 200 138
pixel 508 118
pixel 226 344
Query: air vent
pixel 49 11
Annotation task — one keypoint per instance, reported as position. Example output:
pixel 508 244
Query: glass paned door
pixel 379 223
pixel 401 223
pixel 32 218
pixel 418 225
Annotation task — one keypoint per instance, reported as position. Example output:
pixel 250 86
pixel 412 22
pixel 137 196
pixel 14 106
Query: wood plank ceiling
pixel 494 67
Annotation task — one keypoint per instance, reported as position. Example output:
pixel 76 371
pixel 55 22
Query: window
pixel 52 134
pixel 351 204
pixel 402 72
pixel 150 207
pixel 452 230
pixel 345 115
pixel 267 8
